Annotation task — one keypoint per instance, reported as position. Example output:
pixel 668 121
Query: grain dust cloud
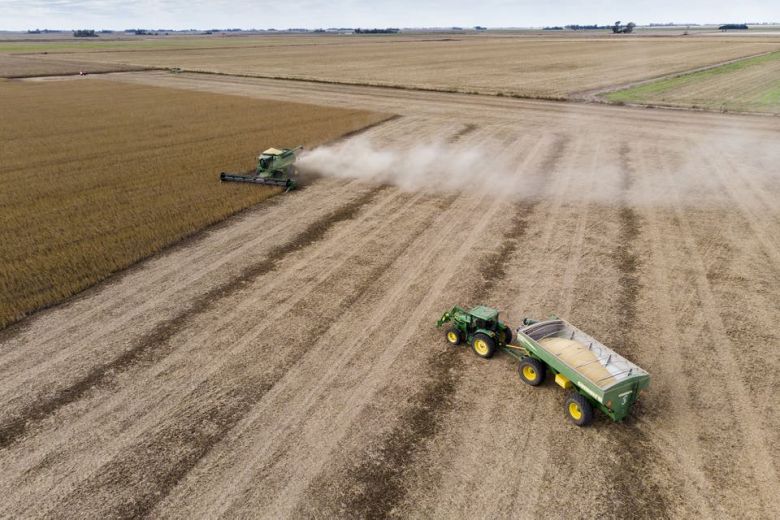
pixel 428 167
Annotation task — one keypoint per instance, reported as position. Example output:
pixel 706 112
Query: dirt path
pixel 284 364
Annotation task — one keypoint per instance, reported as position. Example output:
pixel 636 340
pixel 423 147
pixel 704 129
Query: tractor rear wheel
pixel 578 409
pixel 532 371
pixel 454 336
pixel 483 345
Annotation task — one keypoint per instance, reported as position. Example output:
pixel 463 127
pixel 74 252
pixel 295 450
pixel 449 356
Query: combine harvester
pixel 597 377
pixel 274 168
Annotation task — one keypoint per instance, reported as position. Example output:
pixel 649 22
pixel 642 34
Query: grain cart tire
pixel 532 371
pixel 578 409
pixel 507 335
pixel 483 345
pixel 453 336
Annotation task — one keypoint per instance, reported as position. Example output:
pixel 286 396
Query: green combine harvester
pixel 274 168
pixel 596 376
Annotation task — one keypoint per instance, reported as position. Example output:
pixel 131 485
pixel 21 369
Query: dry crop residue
pixel 546 66
pixel 322 385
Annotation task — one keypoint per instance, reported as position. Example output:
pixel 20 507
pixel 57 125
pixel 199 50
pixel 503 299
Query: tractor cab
pixel 485 317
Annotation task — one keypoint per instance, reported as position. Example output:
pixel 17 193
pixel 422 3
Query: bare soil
pixel 285 364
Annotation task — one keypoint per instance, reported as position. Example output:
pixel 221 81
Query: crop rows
pixel 751 84
pixel 97 175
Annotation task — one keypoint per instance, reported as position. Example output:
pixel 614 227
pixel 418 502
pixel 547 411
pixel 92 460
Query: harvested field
pixel 538 67
pixel 286 364
pixel 16 66
pixel 749 85
pixel 97 175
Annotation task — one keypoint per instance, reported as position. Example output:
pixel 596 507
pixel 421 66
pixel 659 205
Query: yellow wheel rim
pixel 575 412
pixel 452 337
pixel 529 373
pixel 481 347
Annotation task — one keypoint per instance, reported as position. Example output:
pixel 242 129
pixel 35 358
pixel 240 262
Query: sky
pixel 312 14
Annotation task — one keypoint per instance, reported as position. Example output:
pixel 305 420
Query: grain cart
pixel 479 327
pixel 595 375
pixel 274 168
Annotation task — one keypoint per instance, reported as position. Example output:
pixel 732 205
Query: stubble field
pixel 97 175
pixel 748 85
pixel 541 66
pixel 285 364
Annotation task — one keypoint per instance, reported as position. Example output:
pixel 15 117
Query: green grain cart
pixel 595 376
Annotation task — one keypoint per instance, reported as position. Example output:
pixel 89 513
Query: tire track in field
pixel 169 454
pixel 131 316
pixel 756 223
pixel 553 181
pixel 377 486
pixel 432 205
pixel 742 418
pixel 153 346
pixel 640 496
pixel 383 477
pixel 671 394
pixel 193 347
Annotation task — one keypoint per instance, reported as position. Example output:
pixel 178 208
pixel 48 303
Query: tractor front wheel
pixel 532 371
pixel 483 345
pixel 578 410
pixel 454 336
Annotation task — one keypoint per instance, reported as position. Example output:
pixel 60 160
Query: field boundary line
pixel 588 97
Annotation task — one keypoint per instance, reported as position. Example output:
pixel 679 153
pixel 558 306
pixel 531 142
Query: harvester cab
pixel 480 327
pixel 275 167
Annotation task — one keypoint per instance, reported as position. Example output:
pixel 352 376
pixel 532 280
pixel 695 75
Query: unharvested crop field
pixel 749 85
pixel 97 175
pixel 513 65
pixel 286 364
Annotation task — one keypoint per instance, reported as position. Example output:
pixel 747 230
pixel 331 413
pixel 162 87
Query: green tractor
pixel 479 327
pixel 274 168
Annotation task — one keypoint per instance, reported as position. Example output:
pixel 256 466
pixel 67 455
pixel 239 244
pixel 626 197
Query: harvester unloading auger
pixel 274 168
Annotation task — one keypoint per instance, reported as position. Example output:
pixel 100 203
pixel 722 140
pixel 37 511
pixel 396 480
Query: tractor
pixel 479 327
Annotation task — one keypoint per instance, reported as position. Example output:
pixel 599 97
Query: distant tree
pixel 84 33
pixel 593 27
pixel 734 26
pixel 623 29
pixel 389 30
